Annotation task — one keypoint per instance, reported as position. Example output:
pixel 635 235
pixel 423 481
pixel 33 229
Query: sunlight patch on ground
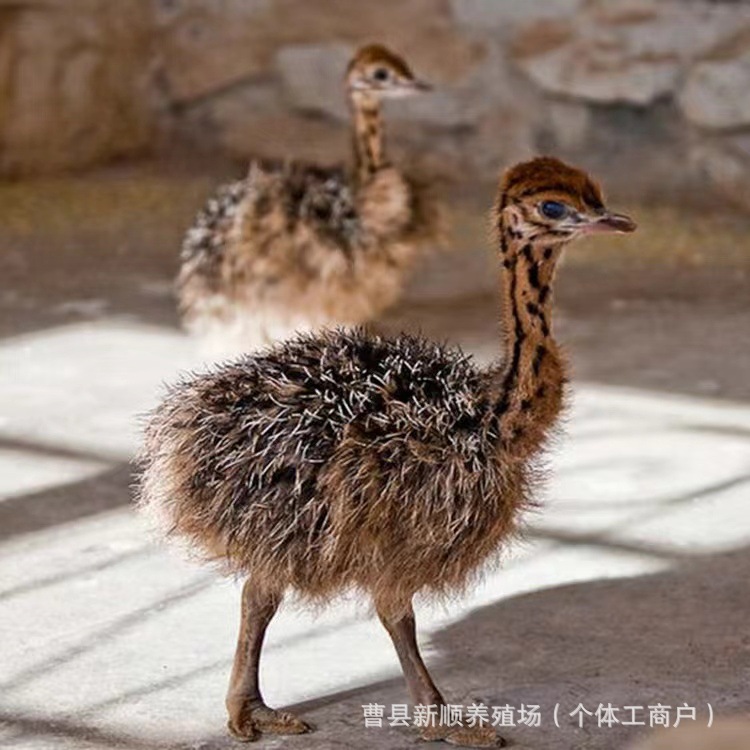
pixel 24 473
pixel 83 386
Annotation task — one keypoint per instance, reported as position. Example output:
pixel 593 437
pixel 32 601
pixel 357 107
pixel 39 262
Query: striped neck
pixel 527 389
pixel 368 135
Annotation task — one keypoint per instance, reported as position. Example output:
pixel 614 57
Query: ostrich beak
pixel 416 84
pixel 619 223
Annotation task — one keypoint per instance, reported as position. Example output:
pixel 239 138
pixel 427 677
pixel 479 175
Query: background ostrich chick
pixel 295 247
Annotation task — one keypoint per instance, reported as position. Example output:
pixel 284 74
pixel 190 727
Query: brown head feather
pixel 376 54
pixel 547 176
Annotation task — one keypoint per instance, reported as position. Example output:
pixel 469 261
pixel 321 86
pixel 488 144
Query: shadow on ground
pixel 677 637
pixel 65 503
pixel 671 638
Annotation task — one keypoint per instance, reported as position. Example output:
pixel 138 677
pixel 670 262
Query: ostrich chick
pixel 296 247
pixel 391 466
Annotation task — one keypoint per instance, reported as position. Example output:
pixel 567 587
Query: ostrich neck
pixel 368 136
pixel 527 389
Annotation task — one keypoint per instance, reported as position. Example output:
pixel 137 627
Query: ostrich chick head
pixel 546 199
pixel 378 72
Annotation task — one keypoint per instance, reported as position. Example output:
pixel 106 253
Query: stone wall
pixel 652 94
pixel 75 82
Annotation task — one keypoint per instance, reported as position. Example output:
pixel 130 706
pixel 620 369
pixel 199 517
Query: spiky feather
pixel 334 461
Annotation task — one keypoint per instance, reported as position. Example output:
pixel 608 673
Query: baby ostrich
pixel 392 466
pixel 295 247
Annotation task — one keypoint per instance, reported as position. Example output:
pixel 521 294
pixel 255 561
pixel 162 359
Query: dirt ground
pixel 666 309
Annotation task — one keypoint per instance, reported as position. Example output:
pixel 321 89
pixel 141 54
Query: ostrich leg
pixel 249 715
pixel 403 633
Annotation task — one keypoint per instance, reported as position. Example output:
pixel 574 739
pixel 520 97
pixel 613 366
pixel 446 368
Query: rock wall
pixel 652 94
pixel 75 81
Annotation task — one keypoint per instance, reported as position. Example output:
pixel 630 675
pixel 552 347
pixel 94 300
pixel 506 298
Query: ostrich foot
pixel 479 736
pixel 247 723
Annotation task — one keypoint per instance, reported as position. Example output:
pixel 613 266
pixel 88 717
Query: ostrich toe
pixel 249 723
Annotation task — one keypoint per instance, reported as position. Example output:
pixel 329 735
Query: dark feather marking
pixel 534 276
pixel 511 374
pixel 541 352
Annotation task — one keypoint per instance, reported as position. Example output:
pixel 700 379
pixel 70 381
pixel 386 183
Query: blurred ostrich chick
pixel 295 247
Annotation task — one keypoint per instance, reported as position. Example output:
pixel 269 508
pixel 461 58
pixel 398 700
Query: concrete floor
pixel 629 589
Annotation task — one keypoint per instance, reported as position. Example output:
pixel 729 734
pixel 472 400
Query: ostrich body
pixel 296 247
pixel 393 466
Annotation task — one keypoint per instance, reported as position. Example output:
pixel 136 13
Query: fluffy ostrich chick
pixel 395 467
pixel 296 247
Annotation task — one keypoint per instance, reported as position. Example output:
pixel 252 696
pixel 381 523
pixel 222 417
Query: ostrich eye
pixel 553 209
pixel 380 74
